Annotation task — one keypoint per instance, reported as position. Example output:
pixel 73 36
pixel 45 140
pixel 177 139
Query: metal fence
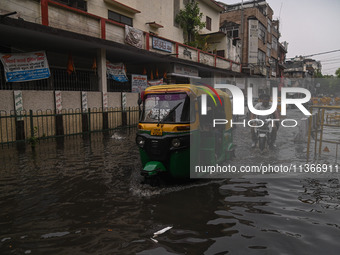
pixel 29 126
pixel 81 80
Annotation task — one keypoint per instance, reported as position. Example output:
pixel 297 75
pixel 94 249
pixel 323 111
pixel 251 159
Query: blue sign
pixel 162 45
pixel 28 75
pixel 118 77
pixel 27 66
pixel 116 71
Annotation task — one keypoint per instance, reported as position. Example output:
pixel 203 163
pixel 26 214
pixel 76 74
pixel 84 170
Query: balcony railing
pixel 55 12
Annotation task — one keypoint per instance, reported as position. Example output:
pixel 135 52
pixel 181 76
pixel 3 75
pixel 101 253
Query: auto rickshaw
pixel 173 133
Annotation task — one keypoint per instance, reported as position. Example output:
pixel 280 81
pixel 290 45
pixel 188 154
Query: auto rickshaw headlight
pixel 175 142
pixel 140 141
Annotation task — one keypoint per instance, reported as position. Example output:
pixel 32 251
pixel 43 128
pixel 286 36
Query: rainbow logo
pixel 209 93
pixel 204 97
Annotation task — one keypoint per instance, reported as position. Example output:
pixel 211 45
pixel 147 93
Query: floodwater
pixel 84 196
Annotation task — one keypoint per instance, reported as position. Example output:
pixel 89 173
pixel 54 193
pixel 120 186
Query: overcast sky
pixel 309 27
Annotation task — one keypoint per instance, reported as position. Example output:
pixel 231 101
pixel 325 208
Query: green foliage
pixel 337 73
pixel 189 20
pixel 318 74
pixel 200 43
pixel 328 85
pixel 33 140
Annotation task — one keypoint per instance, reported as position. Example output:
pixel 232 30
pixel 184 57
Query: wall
pixel 211 13
pixel 6 100
pixel 71 99
pixel 159 11
pixel 131 99
pixel 37 100
pixel 44 100
pixel 114 100
pixel 78 23
pixel 27 10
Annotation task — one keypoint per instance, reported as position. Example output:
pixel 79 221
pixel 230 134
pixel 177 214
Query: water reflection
pixel 84 196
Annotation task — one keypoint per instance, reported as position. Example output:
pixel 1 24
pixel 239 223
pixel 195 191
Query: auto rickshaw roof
pixel 175 88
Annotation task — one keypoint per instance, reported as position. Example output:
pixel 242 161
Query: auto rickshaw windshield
pixel 166 108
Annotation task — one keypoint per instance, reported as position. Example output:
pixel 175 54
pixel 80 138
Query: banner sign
pixel 18 103
pixel 138 83
pixel 116 72
pixel 134 37
pixel 25 66
pixel 84 101
pixel 124 101
pixel 155 82
pixel 253 43
pixel 58 102
pixel 160 44
pixel 185 70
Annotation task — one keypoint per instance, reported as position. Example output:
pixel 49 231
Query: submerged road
pixel 84 196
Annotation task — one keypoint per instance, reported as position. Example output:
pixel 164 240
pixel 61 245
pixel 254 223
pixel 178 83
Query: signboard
pixel 18 103
pixel 253 41
pixel 162 45
pixel 134 37
pixel 138 83
pixel 124 101
pixel 155 82
pixel 84 101
pixel 58 102
pixel 185 70
pixel 116 72
pixel 27 66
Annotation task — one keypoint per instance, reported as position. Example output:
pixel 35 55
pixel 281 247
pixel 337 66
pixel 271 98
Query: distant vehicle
pixel 264 132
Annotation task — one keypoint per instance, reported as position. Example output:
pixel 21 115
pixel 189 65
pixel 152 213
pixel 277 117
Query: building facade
pixel 143 35
pixel 301 71
pixel 252 25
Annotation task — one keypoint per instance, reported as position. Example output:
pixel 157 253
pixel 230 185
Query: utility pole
pixel 242 31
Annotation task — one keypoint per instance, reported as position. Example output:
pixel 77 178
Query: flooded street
pixel 84 196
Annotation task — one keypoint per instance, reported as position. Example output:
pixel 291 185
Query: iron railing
pixel 81 80
pixel 29 126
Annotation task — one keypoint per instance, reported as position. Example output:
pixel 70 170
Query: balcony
pixel 72 15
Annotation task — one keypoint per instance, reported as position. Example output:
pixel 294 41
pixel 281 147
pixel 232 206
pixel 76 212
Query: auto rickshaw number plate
pixel 156 131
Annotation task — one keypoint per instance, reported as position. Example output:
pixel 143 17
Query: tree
pixel 318 74
pixel 337 73
pixel 328 84
pixel 189 20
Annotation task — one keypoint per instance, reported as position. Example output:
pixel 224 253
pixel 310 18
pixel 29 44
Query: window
pixel 261 58
pixel 220 53
pixel 232 33
pixel 167 108
pixel 262 32
pixel 269 50
pixel 208 23
pixel 274 40
pixel 120 18
pixel 78 4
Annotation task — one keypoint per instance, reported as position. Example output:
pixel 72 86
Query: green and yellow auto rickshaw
pixel 173 132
